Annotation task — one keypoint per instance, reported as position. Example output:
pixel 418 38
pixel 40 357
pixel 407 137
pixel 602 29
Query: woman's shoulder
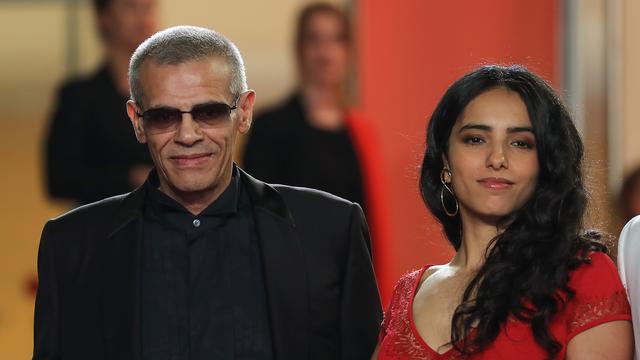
pixel 598 271
pixel 599 294
pixel 405 286
pixel 411 278
pixel 597 278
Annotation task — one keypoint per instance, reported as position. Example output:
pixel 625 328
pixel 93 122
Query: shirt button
pixel 196 223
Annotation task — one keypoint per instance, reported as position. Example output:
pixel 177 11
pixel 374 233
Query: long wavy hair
pixel 527 266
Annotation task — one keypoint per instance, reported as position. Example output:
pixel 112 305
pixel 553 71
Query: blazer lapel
pixel 284 270
pixel 121 279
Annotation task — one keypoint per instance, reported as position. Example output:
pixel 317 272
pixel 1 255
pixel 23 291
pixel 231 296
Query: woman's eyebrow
pixel 482 127
pixel 476 127
pixel 519 129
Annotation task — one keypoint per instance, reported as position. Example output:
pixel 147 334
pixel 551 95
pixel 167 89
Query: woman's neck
pixel 477 234
pixel 324 106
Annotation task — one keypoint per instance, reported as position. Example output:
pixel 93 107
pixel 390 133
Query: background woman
pixel 503 174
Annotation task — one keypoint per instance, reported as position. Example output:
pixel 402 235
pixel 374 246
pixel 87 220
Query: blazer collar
pixel 130 209
pixel 263 196
pixel 121 279
pixel 284 270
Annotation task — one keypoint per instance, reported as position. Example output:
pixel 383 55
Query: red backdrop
pixel 409 51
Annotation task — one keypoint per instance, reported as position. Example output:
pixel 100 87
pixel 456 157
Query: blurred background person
pixel 308 140
pixel 630 195
pixel 89 125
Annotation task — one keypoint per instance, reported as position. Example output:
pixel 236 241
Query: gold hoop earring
pixel 444 186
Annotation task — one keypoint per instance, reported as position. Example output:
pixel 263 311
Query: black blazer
pixel 322 296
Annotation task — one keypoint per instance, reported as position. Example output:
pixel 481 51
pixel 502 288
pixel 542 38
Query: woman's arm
pixel 611 341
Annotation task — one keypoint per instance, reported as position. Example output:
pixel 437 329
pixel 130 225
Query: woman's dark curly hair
pixel 527 266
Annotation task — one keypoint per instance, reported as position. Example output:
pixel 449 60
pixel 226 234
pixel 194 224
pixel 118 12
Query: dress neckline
pixel 412 324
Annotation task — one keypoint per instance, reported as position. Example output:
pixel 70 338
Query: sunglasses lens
pixel 211 114
pixel 167 119
pixel 159 120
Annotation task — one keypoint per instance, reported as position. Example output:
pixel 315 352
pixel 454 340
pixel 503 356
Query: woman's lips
pixel 496 183
pixel 189 160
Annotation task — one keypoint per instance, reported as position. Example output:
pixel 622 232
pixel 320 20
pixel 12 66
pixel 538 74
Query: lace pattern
pixel 597 309
pixel 400 342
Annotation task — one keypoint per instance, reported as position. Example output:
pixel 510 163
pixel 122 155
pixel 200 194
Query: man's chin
pixel 192 187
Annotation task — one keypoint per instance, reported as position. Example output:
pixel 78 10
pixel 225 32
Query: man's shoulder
pixel 96 212
pixel 312 200
pixel 295 195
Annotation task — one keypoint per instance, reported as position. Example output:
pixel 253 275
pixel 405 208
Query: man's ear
pixel 245 105
pixel 136 122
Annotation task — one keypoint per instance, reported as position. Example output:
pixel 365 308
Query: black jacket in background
pixel 91 146
pixel 322 297
pixel 284 148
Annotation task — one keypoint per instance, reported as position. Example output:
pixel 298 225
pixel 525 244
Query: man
pixel 310 139
pixel 90 151
pixel 203 261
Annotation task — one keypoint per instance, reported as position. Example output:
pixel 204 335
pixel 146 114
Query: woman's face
pixel 492 156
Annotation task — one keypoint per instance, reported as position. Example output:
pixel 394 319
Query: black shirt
pixel 203 293
pixel 284 148
pixel 91 146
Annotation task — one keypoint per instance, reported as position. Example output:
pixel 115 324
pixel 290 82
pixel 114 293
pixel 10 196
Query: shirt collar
pixel 225 204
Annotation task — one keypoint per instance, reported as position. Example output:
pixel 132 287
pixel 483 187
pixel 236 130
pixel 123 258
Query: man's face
pixel 192 159
pixel 127 23
pixel 324 51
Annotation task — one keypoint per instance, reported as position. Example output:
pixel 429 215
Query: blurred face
pixel 194 158
pixel 324 51
pixel 632 202
pixel 492 156
pixel 127 23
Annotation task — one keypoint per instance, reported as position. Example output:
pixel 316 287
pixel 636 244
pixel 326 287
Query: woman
pixel 502 173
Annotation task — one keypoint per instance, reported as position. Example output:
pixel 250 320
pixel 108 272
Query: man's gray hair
pixel 181 44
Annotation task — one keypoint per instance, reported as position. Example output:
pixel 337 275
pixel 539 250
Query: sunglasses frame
pixel 144 112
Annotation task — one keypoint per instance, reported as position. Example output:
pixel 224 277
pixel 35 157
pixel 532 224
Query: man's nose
pixel 189 132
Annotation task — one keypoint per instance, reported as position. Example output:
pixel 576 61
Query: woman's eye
pixel 473 140
pixel 522 144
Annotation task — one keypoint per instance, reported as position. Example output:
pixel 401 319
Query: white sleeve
pixel 629 269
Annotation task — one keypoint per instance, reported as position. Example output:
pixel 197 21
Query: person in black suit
pixel 310 139
pixel 203 261
pixel 90 150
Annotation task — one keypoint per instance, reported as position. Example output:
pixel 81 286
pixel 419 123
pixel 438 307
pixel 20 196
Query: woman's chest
pixel 433 308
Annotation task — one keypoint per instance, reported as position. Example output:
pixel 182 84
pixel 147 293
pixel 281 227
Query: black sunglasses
pixel 167 119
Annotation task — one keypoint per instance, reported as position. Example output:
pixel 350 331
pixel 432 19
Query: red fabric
pixel 600 297
pixel 368 147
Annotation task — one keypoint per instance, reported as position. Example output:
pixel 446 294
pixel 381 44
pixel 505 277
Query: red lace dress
pixel 600 297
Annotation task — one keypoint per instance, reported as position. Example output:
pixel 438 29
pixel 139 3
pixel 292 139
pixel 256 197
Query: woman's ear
pixel 445 161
